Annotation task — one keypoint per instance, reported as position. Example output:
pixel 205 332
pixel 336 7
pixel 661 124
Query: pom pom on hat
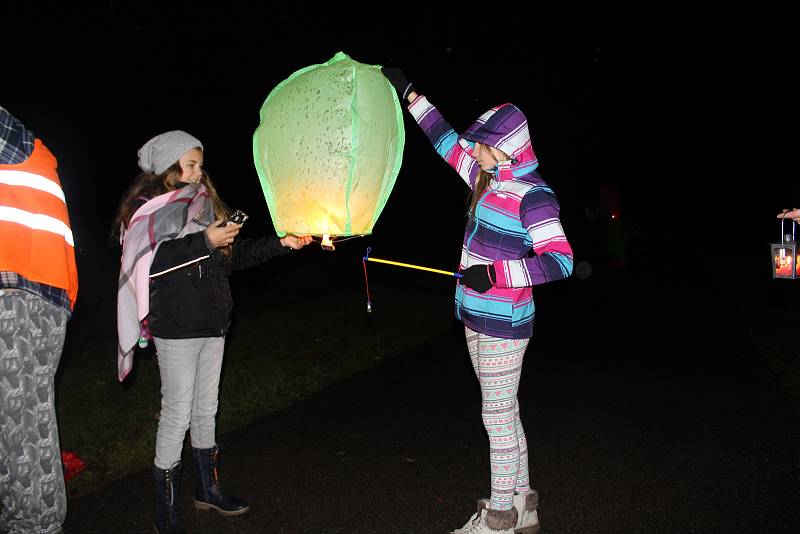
pixel 163 150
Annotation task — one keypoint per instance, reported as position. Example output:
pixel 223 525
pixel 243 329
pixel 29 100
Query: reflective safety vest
pixel 35 236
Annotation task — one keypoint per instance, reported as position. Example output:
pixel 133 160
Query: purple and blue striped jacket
pixel 515 226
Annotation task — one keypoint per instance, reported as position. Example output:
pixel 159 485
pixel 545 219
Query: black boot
pixel 209 492
pixel 168 500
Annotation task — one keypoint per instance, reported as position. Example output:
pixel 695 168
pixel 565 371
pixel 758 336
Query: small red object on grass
pixel 72 464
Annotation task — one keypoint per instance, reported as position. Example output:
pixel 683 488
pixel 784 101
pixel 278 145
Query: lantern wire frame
pixel 327 242
pixel 782 247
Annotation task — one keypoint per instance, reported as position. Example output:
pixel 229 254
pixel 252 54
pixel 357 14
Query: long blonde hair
pixel 482 182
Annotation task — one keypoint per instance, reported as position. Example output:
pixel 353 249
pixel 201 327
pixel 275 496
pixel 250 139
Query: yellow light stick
pixel 389 262
pixel 366 258
pixel 410 266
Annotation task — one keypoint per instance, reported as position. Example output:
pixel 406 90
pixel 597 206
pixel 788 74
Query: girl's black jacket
pixel 195 300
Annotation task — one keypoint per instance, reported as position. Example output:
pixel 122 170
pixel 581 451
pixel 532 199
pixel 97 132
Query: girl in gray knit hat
pixel 177 254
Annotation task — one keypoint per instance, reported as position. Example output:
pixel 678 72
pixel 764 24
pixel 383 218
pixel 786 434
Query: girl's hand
pixel 296 242
pixel 222 236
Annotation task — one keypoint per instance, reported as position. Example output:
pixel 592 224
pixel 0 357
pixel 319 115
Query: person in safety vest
pixel 38 288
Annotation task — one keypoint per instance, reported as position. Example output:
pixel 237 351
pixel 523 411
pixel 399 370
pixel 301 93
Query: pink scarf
pixel 169 216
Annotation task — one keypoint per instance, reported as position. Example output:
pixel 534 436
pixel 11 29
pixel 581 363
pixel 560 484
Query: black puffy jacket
pixel 195 300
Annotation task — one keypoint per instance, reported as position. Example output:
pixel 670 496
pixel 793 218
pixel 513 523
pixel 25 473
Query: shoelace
pixel 472 525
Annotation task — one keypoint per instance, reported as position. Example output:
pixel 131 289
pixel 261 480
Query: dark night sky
pixel 681 115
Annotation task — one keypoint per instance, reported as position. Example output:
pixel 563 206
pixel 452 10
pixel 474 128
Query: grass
pixel 298 327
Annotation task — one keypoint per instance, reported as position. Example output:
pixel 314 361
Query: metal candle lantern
pixel 785 255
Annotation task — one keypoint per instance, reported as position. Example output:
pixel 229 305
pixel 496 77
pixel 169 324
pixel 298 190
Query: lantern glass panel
pixel 784 260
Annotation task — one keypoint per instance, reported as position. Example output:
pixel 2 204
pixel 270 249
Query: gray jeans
pixel 190 370
pixel 32 488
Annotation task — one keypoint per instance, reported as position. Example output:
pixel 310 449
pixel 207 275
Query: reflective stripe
pixel 37 221
pixel 34 181
pixel 36 241
pixel 165 271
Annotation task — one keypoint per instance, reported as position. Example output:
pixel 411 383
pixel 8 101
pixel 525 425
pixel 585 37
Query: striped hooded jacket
pixel 515 226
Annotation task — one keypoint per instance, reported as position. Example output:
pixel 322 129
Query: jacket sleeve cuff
pixel 500 278
pixel 209 246
pixel 278 248
pixel 418 107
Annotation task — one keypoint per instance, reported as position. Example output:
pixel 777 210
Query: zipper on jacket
pixel 478 205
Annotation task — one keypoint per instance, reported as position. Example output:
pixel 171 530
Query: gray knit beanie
pixel 163 150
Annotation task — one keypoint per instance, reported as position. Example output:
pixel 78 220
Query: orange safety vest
pixel 35 236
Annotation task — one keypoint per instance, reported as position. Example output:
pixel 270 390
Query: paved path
pixel 646 409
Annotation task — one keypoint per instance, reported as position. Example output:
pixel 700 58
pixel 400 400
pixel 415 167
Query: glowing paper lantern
pixel 329 147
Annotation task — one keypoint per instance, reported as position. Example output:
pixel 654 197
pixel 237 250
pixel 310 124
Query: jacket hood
pixel 505 128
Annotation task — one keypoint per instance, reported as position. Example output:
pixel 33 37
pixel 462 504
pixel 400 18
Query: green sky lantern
pixel 329 147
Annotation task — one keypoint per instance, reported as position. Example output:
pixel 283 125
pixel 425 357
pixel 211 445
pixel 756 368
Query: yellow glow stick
pixel 389 262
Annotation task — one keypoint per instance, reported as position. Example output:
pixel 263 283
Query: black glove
pixel 398 80
pixel 478 277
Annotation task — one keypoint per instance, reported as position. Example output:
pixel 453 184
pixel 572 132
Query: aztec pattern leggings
pixel 498 365
pixel 31 478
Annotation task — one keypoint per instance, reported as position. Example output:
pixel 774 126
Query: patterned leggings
pixel 31 479
pixel 498 365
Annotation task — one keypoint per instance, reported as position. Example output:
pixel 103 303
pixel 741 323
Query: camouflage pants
pixel 32 493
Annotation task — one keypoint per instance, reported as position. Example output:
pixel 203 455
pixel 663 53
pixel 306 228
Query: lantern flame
pixel 327 244
pixel 783 264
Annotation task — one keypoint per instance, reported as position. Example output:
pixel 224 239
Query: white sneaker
pixel 501 520
pixel 527 514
